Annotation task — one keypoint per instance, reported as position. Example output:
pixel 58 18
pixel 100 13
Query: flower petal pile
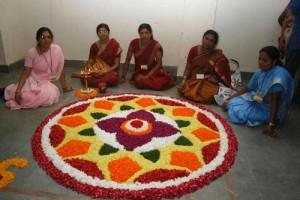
pixel 134 146
pixel 7 176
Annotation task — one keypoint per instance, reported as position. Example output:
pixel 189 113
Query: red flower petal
pixel 89 167
pixel 168 103
pixel 125 98
pixel 136 123
pixel 210 151
pixel 161 175
pixel 206 121
pixel 76 109
pixel 57 135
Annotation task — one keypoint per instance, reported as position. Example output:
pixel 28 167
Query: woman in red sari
pixel 104 59
pixel 206 68
pixel 148 72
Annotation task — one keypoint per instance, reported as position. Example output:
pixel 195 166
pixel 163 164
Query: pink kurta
pixel 38 89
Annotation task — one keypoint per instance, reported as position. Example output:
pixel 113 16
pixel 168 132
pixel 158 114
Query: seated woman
pixel 206 68
pixel 266 98
pixel 104 59
pixel 43 64
pixel 148 72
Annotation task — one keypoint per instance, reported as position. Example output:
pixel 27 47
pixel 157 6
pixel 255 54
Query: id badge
pixel 144 67
pixel 258 99
pixel 200 76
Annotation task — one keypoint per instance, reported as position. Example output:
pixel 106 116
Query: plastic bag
pixel 236 77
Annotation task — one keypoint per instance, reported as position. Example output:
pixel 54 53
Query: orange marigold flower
pixel 122 169
pixel 205 134
pixel 145 102
pixel 185 112
pixel 185 159
pixel 74 148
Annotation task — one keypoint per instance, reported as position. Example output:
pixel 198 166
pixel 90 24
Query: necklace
pixel 49 65
pixel 143 45
pixel 103 44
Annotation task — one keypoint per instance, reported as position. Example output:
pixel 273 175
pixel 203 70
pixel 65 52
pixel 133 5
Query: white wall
pixel 244 26
pixel 247 26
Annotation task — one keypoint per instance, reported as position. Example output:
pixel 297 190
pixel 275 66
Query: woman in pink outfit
pixel 43 64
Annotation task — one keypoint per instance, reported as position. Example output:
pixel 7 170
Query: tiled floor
pixel 264 169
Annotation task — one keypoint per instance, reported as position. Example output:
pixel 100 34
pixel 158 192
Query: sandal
pixel 67 89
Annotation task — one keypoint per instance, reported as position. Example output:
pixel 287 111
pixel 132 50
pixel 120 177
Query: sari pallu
pixel 214 66
pixel 103 61
pixel 244 110
pixel 111 78
pixel 159 80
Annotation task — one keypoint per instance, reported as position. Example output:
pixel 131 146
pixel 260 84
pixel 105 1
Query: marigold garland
pixel 80 94
pixel 109 151
pixel 6 176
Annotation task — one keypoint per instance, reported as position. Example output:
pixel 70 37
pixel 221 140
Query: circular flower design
pixel 136 129
pixel 134 146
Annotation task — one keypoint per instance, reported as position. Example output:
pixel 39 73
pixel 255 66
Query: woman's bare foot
pixel 67 89
pixel 272 134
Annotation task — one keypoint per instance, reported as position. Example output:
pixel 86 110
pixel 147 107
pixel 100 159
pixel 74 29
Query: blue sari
pixel 244 110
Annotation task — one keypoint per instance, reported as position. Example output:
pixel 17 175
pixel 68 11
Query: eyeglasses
pixel 46 37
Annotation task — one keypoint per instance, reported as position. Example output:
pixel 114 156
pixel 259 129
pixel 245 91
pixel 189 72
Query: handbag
pixel 236 77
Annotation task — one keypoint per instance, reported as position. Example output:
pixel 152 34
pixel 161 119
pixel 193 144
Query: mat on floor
pixel 134 146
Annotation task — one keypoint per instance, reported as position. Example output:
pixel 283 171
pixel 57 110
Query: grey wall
pixel 2 55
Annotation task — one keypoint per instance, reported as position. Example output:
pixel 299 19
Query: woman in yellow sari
pixel 206 68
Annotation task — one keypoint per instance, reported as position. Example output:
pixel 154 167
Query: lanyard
pixel 49 65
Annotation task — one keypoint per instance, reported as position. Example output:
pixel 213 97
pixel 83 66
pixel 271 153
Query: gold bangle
pixel 17 91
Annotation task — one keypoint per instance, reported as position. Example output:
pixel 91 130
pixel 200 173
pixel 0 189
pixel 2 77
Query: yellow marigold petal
pixel 185 159
pixel 145 102
pixel 74 148
pixel 16 162
pixel 185 112
pixel 72 121
pixel 205 134
pixel 102 104
pixel 8 176
pixel 122 169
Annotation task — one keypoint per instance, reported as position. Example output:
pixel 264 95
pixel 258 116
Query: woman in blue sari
pixel 266 98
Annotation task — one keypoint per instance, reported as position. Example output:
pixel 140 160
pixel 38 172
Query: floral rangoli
pixel 134 146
